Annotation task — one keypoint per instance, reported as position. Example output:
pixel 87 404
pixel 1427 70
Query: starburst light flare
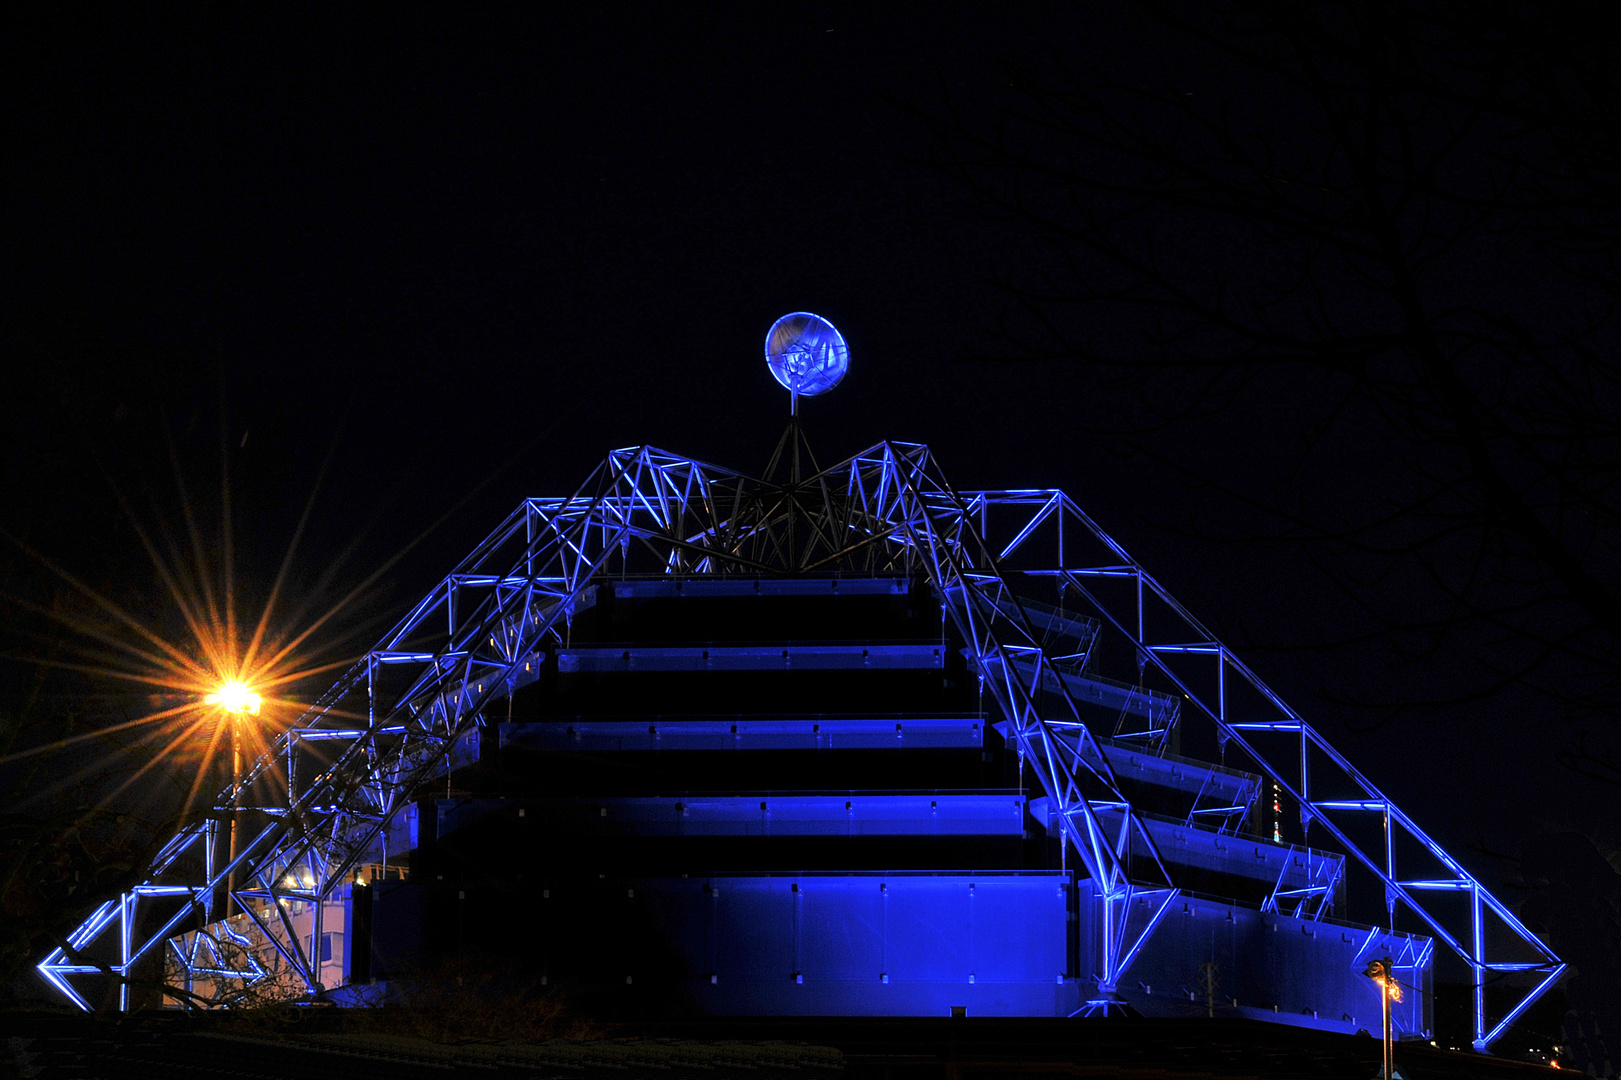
pixel 235 697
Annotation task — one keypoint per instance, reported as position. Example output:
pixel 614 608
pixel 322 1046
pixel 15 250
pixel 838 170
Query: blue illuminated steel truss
pixel 412 707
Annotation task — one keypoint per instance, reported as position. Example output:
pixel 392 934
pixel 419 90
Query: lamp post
pixel 1381 972
pixel 236 700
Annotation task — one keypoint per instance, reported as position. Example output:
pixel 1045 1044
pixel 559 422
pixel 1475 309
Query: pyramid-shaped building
pixel 835 741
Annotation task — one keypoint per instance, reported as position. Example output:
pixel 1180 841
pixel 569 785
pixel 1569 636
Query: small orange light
pixel 1379 971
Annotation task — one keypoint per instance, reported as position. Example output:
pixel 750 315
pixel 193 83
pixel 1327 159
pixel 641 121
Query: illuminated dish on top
pixel 806 354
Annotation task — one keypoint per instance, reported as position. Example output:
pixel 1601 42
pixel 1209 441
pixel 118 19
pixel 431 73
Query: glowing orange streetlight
pixel 235 697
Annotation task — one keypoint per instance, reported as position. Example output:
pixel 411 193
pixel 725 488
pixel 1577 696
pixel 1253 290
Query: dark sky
pixel 429 243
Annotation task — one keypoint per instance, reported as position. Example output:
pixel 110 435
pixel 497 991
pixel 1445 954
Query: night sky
pixel 446 257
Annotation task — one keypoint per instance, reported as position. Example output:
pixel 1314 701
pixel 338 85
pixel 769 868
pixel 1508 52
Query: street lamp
pixel 237 700
pixel 1384 975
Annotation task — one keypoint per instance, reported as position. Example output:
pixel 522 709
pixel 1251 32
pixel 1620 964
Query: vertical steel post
pixel 126 930
pixel 529 540
pixel 210 853
pixel 1305 788
pixel 1390 870
pixel 1478 967
pixel 236 811
pixel 1384 996
pixel 1110 946
pixel 317 930
pixel 1141 644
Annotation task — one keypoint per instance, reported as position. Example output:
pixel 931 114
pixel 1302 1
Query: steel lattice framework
pixel 405 712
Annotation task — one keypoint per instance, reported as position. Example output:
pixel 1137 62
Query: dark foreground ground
pixel 315 1047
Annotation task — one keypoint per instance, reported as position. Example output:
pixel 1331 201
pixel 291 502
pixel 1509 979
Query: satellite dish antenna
pixel 806 355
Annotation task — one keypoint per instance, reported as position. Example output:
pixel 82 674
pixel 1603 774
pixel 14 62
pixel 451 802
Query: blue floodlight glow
pixel 806 354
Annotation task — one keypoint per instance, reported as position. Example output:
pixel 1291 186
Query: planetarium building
pixel 837 740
